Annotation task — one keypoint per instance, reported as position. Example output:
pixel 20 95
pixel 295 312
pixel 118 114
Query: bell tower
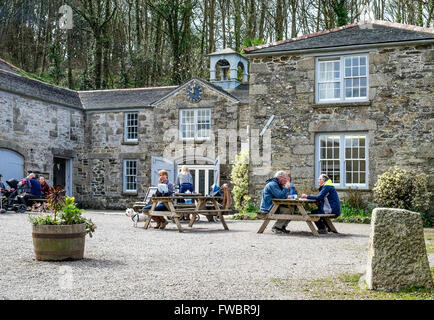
pixel 228 68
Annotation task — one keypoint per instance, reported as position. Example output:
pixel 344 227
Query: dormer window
pixel 342 79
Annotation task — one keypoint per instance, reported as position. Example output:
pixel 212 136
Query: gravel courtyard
pixel 204 262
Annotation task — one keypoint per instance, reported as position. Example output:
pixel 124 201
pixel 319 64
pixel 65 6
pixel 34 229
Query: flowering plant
pixel 63 211
pixel 240 178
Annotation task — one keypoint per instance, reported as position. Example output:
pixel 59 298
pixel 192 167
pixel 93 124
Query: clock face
pixel 194 93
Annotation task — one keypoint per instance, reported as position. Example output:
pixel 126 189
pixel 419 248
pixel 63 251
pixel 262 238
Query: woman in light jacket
pixel 184 180
pixel 185 183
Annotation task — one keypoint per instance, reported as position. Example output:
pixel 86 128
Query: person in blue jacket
pixel 328 201
pixel 35 189
pixel 162 180
pixel 279 187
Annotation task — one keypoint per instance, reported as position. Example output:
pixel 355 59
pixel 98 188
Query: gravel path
pixel 205 262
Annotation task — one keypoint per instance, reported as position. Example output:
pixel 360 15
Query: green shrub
pixel 240 178
pixel 353 215
pixel 404 189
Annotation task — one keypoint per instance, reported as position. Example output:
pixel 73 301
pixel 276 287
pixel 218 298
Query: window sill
pixel 129 193
pixel 195 140
pixel 130 143
pixel 353 189
pixel 342 104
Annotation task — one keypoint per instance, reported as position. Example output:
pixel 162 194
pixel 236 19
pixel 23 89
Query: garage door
pixel 11 164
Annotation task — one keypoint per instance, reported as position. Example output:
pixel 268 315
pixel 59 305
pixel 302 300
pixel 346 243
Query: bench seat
pixel 223 211
pixel 264 214
pixel 323 215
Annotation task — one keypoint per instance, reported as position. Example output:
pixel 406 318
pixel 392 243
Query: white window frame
pixel 342 97
pixel 195 121
pixel 127 174
pixel 127 126
pixel 342 161
pixel 201 167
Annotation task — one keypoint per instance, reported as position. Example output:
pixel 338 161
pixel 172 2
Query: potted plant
pixel 60 233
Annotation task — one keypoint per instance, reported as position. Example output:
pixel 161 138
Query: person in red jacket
pixel 44 186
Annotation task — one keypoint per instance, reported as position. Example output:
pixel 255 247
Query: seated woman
pixel 45 188
pixel 163 179
pixel 184 181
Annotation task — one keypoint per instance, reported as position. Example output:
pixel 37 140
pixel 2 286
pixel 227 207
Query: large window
pixel 130 176
pixel 131 127
pixel 342 79
pixel 195 124
pixel 344 158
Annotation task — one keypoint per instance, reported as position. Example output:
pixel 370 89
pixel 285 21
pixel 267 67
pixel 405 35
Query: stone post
pixel 397 255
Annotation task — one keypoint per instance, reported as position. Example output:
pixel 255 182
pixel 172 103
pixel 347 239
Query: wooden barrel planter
pixel 59 242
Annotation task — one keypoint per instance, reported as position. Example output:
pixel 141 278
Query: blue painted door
pixel 11 164
pixel 158 164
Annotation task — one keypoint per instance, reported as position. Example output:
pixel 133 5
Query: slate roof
pixel 241 92
pixel 16 83
pixel 122 98
pixel 207 83
pixel 364 33
pixel 216 87
pixel 98 100
pixel 4 65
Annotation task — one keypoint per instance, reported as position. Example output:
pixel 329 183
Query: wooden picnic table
pixel 293 216
pixel 176 212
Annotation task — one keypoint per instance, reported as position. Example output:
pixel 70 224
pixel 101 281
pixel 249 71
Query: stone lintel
pixel 342 125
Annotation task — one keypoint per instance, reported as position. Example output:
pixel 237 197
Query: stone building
pixel 350 102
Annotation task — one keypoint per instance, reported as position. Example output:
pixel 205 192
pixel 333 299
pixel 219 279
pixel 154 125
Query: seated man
pixel 328 201
pixel 35 189
pixel 45 188
pixel 276 188
pixel 164 179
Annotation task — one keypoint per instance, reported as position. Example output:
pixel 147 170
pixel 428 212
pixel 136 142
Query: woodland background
pixel 142 43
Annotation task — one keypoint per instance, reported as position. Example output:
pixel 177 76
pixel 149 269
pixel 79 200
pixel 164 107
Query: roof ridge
pixel 127 89
pixel 404 26
pixel 11 65
pixel 337 29
pixel 40 81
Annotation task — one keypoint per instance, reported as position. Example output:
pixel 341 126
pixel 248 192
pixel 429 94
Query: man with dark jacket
pixel 35 189
pixel 278 187
pixel 328 201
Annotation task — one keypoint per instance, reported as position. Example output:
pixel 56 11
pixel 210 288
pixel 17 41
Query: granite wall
pixel 101 174
pixel 39 131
